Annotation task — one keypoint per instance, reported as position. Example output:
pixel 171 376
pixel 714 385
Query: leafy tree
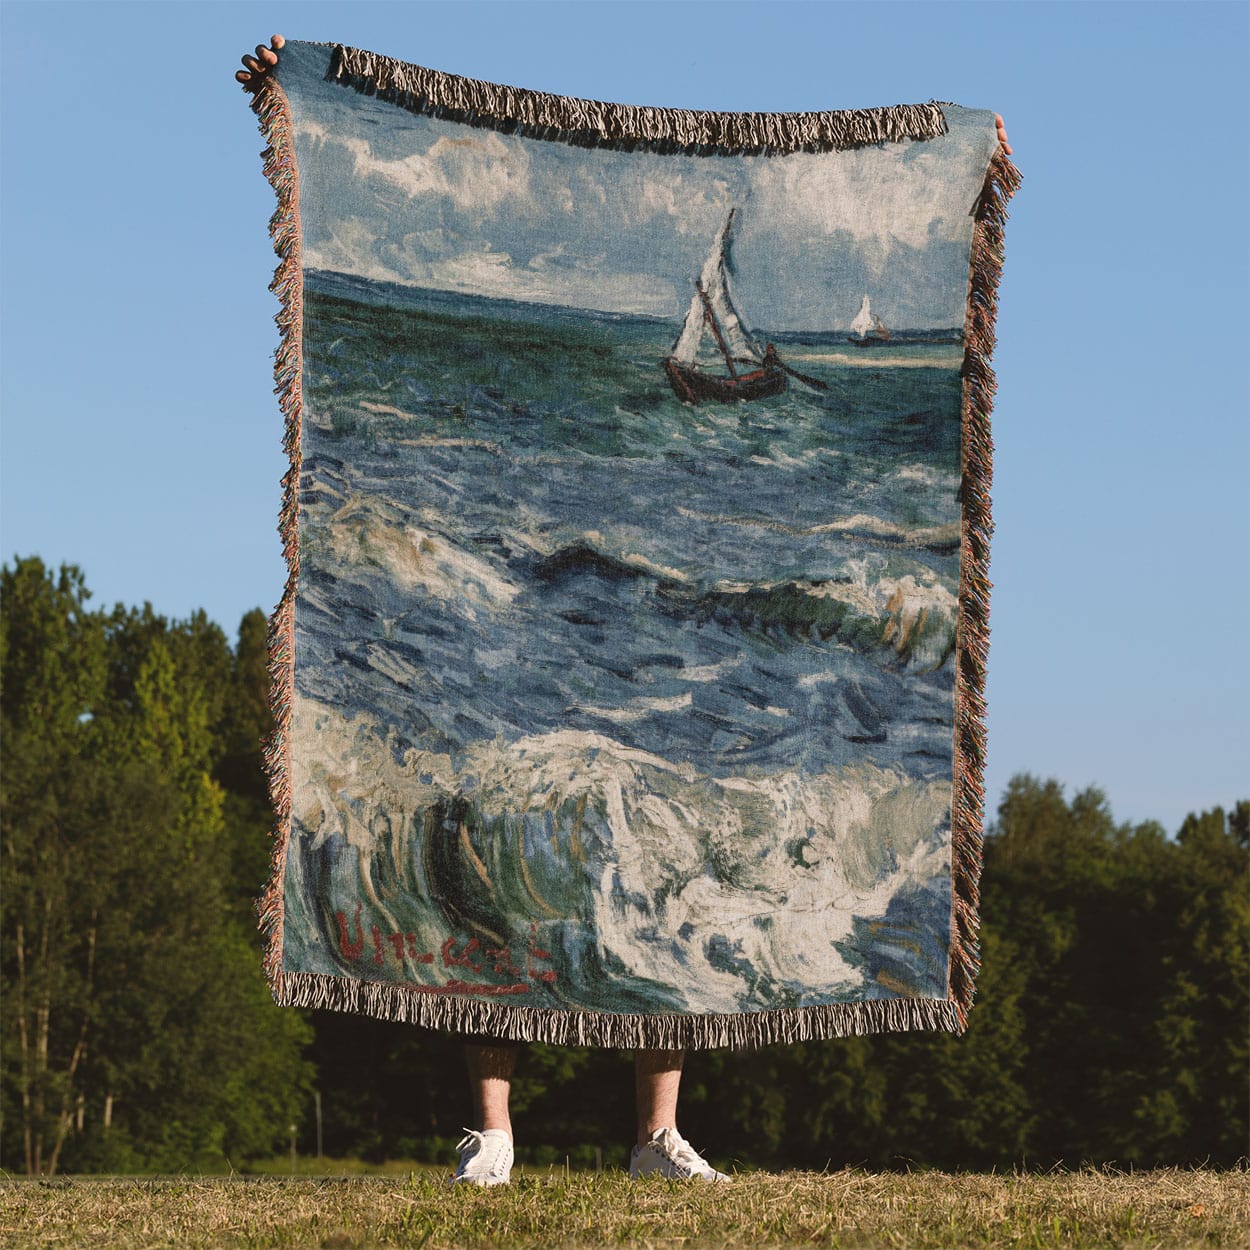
pixel 1198 1109
pixel 52 674
pixel 244 725
pixel 138 1029
pixel 1122 933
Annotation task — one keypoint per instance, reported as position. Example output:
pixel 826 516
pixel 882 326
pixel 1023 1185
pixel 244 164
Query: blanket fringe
pixel 274 113
pixel 973 640
pixel 628 127
pixel 430 1008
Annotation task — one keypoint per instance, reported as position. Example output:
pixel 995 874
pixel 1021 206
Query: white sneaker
pixel 485 1158
pixel 668 1153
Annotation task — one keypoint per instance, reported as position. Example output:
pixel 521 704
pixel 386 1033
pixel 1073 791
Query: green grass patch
pixel 849 1209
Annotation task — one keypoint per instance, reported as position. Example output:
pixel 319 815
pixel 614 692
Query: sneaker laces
pixel 473 1143
pixel 681 1152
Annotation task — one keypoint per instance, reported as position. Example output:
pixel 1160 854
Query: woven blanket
pixel 628 677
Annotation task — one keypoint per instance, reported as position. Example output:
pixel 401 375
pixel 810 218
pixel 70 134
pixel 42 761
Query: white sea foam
pixel 872 358
pixel 860 525
pixel 639 709
pixel 707 672
pixel 927 475
pixel 434 440
pixel 366 533
pixel 617 545
pixel 777 867
pixel 387 410
pixel 778 457
pixel 922 618
pixel 807 680
pixel 863 526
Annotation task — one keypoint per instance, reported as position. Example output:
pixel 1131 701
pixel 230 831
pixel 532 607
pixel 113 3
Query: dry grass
pixel 844 1209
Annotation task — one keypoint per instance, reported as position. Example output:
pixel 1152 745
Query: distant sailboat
pixel 868 330
pixel 712 308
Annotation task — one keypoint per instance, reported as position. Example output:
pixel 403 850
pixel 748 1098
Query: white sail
pixel 687 347
pixel 713 293
pixel 863 319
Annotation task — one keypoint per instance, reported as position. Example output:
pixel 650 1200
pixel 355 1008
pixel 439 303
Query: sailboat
pixel 868 330
pixel 712 309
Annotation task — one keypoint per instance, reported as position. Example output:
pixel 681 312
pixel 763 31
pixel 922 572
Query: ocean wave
pixel 867 606
pixel 930 477
pixel 637 709
pixel 619 857
pixel 367 534
pixel 940 539
pixel 870 603
pixel 387 410
pixel 576 559
pixel 435 440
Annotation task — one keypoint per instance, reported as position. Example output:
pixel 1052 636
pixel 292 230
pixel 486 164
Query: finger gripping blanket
pixel 628 676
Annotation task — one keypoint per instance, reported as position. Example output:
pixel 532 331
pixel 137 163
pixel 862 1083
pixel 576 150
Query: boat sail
pixel 868 330
pixel 712 309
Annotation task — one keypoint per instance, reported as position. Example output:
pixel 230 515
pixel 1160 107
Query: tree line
pixel 137 1033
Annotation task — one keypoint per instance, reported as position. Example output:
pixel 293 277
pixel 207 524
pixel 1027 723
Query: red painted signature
pixel 471 953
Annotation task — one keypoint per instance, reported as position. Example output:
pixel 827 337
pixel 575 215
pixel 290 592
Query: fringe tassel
pixel 434 1009
pixel 973 640
pixel 274 113
pixel 628 127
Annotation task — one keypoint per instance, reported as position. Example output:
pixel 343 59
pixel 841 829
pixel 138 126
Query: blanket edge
pixel 1002 179
pixel 274 116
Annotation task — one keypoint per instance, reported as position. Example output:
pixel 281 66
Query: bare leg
pixel 657 1078
pixel 490 1079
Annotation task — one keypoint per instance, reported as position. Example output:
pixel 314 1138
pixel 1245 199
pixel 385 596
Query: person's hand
pixel 998 120
pixel 259 65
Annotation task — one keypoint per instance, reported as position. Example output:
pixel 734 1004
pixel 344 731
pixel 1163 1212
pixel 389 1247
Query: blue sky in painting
pixel 500 215
pixel 141 438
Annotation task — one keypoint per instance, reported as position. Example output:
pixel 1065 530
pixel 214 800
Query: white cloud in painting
pixel 688 204
pixel 492 214
pixel 549 277
pixel 349 248
pixel 543 280
pixel 311 132
pixel 477 172
pixel 817 196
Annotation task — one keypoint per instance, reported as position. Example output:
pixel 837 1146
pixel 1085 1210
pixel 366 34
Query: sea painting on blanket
pixel 629 562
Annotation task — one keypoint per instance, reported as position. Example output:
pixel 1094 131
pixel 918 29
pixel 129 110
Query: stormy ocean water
pixel 610 702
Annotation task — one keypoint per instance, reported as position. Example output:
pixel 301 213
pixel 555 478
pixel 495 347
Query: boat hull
pixel 695 387
pixel 870 341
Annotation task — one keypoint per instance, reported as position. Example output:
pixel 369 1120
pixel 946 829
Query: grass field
pixel 551 1209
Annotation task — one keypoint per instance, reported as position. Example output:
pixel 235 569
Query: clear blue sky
pixel 141 438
